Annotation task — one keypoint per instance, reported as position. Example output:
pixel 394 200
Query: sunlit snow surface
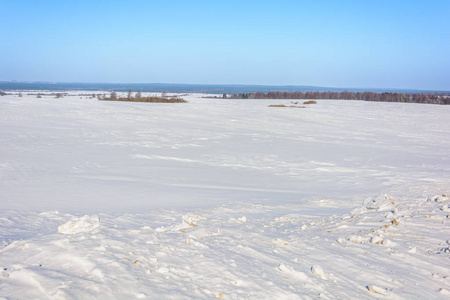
pixel 223 198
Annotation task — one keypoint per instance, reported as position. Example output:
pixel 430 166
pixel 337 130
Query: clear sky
pixel 359 44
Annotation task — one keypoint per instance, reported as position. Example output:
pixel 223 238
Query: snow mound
pixel 84 224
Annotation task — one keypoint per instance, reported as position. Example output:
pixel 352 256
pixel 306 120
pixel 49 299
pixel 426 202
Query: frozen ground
pixel 223 198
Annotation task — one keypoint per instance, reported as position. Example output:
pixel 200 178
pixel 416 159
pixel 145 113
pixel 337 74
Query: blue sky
pixel 359 44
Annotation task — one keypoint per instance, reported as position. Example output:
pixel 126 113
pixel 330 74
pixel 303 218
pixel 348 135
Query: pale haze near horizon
pixel 355 44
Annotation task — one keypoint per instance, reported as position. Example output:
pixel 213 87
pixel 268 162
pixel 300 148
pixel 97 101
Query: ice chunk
pixel 340 240
pixel 376 240
pixel 83 224
pixel 444 292
pixel 242 219
pixel 188 221
pixel 300 276
pixel 356 239
pixel 377 290
pixel 318 271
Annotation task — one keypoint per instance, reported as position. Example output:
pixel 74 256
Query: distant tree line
pixel 436 98
pixel 57 95
pixel 139 98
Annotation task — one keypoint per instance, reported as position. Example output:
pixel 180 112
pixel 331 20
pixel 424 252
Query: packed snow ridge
pixel 223 199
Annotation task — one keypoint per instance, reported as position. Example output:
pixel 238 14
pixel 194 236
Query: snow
pixel 223 199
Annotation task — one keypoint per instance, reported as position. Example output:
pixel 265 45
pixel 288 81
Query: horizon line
pixel 228 85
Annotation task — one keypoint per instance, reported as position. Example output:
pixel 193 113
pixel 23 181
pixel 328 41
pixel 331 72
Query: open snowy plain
pixel 223 199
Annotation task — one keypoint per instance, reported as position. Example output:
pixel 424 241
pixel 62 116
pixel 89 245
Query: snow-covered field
pixel 223 198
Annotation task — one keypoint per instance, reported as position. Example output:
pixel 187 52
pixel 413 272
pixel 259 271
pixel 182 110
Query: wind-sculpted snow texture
pixel 223 199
